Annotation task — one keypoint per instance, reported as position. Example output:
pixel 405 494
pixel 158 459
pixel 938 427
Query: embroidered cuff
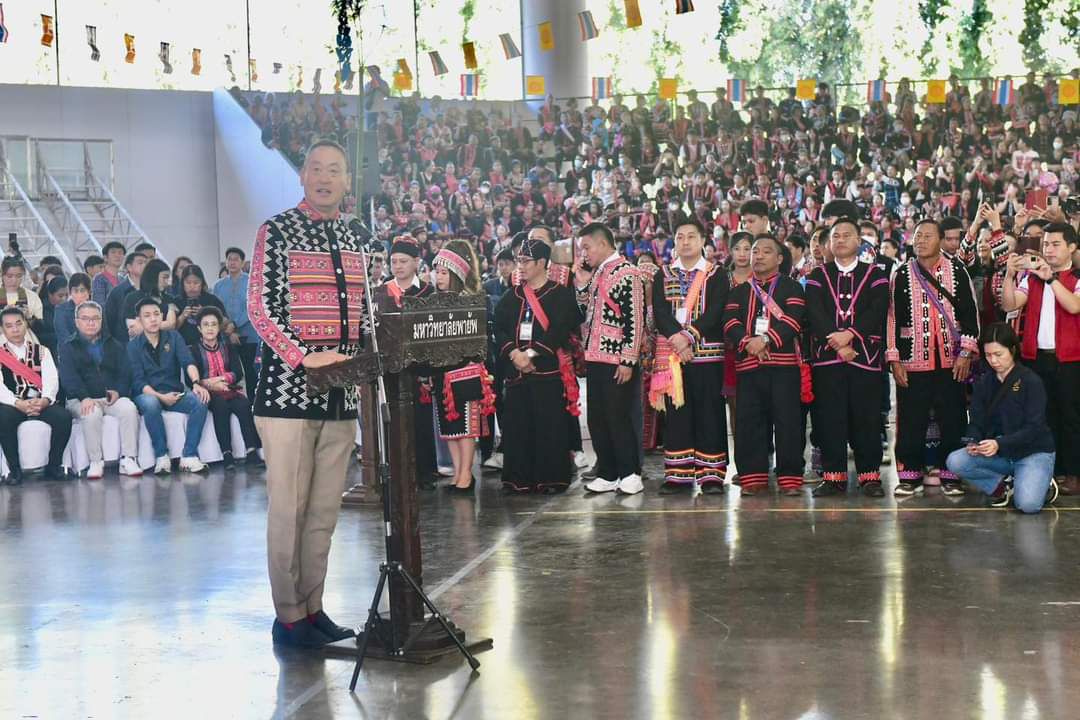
pixel 892 355
pixel 969 343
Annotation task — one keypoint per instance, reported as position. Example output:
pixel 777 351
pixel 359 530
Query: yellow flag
pixel 1069 91
pixel 469 50
pixel 633 14
pixel 547 37
pixel 669 88
pixel 403 67
pixel 534 85
pixel 129 48
pixel 935 91
pixel 804 89
pixel 402 81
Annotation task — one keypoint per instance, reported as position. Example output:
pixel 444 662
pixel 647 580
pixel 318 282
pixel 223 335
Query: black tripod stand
pixel 386 632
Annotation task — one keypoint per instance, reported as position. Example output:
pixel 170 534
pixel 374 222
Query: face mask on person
pixel 601 163
pixel 1058 144
pixel 905 200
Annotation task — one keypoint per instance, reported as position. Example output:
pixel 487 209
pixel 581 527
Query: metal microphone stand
pixel 393 645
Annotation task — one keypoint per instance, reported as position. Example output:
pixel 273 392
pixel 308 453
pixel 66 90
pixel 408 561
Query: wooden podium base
pixel 430 647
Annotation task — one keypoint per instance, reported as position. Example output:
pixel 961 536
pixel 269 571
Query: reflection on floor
pixel 149 598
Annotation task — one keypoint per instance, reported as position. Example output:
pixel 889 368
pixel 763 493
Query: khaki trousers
pixel 123 410
pixel 306 464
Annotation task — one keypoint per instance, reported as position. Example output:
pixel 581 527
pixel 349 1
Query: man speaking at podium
pixel 305 299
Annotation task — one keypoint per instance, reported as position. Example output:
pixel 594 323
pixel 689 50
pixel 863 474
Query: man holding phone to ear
pixel 1049 295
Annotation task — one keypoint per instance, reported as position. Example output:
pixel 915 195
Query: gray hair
pixel 90 305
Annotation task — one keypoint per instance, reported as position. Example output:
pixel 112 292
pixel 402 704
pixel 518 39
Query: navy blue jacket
pixel 83 378
pixel 1018 421
pixel 165 374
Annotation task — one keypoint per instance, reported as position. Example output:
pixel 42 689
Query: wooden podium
pixel 424 334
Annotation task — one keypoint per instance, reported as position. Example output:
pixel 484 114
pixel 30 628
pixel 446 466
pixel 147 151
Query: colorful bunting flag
pixel 129 48
pixel 633 14
pixel 3 28
pixel 196 61
pixel 163 55
pixel 601 88
pixel 669 88
pixel 509 47
pixel 588 26
pixel 300 78
pixel 91 40
pixel 547 36
pixel 253 74
pixel 469 51
pixel 1069 91
pixel 935 91
pixel 875 91
pixel 470 85
pixel 1004 94
pixel 736 90
pixel 402 81
pixel 804 89
pixel 47 33
pixel 437 65
pixel 534 85
pixel 403 67
pixel 684 6
pixel 316 82
pixel 277 68
pixel 232 75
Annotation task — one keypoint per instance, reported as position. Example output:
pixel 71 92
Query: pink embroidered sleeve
pixel 268 298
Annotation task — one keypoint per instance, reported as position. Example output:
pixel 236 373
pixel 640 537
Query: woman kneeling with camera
pixel 1010 450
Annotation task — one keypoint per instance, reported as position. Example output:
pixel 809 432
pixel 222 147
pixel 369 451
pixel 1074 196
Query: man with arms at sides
pixel 305 299
pixel 533 322
pixel 611 297
pixel 28 392
pixel 763 320
pixel 689 297
pixel 108 278
pixel 232 291
pixel 96 378
pixel 1049 296
pixel 115 322
pixel 931 337
pixel 846 304
pixel 406 282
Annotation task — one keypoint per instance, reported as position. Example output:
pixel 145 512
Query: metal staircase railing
pixel 35 239
pixel 115 219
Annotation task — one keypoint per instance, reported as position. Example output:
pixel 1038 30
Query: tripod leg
pixel 369 626
pixel 473 662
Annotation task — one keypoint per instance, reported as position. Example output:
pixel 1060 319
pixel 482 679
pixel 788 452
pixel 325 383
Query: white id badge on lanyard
pixel 761 325
pixel 525 333
pixel 680 315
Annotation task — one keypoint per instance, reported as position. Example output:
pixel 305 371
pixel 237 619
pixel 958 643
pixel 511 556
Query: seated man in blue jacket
pixel 97 381
pixel 159 359
pixel 1010 449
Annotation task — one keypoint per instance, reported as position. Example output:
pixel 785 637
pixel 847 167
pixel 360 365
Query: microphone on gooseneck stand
pixel 357 227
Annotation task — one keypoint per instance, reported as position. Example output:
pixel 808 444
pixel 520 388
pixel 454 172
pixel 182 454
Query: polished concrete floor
pixel 149 599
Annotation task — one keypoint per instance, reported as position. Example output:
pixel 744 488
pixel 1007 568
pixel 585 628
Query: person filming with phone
pixel 1048 294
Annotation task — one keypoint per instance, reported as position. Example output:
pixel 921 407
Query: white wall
pixel 253 182
pixel 166 173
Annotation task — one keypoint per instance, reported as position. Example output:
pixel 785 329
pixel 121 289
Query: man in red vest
pixel 1050 298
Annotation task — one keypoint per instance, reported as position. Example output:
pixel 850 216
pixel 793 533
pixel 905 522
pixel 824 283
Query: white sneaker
pixel 631 485
pixel 600 485
pixel 192 464
pixel 129 467
pixel 163 466
pixel 581 460
pixel 495 462
pixel 444 471
pixel 96 471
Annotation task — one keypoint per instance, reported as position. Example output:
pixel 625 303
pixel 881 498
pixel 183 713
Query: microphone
pixel 360 230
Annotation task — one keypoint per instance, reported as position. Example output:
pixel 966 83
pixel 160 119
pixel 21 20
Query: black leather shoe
pixel 14 478
pixel 227 460
pixel 872 488
pixel 253 460
pixel 330 629
pixel 673 488
pixel 829 488
pixel 467 490
pixel 302 634
pixel 713 487
pixel 54 472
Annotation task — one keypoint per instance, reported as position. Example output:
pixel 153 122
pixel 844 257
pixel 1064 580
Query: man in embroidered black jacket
pixel 305 299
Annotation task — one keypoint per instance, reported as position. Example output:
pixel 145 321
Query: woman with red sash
pixel 533 322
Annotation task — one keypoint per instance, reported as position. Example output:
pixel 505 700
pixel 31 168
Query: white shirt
pixel 50 380
pixel 1047 339
pixel 847 268
pixel 699 265
pixel 415 282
